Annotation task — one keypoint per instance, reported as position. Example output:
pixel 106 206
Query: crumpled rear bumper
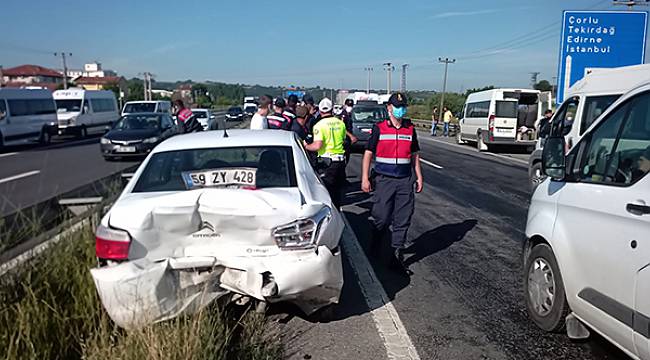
pixel 141 292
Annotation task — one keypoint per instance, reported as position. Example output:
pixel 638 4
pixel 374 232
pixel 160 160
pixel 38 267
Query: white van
pixel 82 111
pixel 585 101
pixel 155 106
pixel 501 117
pixel 26 115
pixel 587 253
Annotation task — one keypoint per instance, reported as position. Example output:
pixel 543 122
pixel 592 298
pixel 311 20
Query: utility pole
pixel 65 67
pixel 368 70
pixel 533 79
pixel 403 85
pixel 389 75
pixel 2 78
pixel 631 4
pixel 446 61
pixel 146 82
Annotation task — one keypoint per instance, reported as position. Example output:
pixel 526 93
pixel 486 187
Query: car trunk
pixel 207 221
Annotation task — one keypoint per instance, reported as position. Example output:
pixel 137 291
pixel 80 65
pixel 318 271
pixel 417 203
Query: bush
pixel 49 309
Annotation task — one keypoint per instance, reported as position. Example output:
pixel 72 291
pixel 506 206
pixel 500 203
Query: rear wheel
pixel 480 143
pixel 545 297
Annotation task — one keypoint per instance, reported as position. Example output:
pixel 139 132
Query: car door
pixel 599 218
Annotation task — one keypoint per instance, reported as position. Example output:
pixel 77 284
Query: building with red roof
pixel 31 75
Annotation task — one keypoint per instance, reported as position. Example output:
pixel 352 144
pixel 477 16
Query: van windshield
pixel 68 105
pixel 506 109
pixel 140 108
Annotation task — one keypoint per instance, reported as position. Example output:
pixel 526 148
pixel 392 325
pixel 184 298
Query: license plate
pixel 125 149
pixel 500 130
pixel 220 177
pixel 366 130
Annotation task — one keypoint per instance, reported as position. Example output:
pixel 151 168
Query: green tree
pixel 544 85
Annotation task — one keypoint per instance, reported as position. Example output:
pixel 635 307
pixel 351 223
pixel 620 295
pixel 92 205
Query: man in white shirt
pixel 258 122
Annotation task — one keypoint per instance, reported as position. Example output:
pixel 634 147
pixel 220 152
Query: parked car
pixel 80 112
pixel 235 113
pixel 26 116
pixel 135 135
pixel 207 215
pixel 157 106
pixel 204 116
pixel 585 101
pixel 587 253
pixel 364 116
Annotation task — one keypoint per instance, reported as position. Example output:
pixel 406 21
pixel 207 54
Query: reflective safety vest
pixel 184 114
pixel 278 122
pixel 393 154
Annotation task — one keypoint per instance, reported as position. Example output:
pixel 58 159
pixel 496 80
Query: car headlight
pixel 104 141
pixel 151 140
pixel 302 233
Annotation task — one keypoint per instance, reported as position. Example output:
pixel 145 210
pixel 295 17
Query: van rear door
pixel 505 119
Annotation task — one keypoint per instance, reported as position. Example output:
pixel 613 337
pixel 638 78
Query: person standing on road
pixel 329 135
pixel 277 120
pixel 290 110
pixel 434 121
pixel 446 118
pixel 346 116
pixel 544 125
pixel 308 101
pixel 395 147
pixel 259 121
pixel 185 118
pixel 300 125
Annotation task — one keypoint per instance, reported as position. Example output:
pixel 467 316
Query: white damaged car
pixel 209 214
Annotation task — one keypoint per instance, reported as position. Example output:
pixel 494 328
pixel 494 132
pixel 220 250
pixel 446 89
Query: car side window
pixel 618 151
pixel 3 109
pixel 563 121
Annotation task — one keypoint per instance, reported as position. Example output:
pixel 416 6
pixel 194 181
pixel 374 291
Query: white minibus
pixel 81 112
pixel 26 115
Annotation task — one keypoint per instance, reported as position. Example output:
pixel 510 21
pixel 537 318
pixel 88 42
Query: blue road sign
pixel 599 39
pixel 298 93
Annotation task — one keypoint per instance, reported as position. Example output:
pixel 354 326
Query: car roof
pixel 236 138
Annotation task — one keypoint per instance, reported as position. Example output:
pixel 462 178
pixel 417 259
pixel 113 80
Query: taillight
pixel 112 244
pixel 491 126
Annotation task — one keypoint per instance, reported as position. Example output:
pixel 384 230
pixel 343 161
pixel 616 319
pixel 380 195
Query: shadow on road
pixel 437 240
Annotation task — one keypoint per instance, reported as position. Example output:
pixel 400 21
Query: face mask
pixel 348 108
pixel 399 112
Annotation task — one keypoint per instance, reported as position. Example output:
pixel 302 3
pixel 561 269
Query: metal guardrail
pixel 426 124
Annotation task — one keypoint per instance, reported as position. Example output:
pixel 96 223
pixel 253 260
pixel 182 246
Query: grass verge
pixel 49 309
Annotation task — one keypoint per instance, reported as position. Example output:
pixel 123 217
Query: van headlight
pixel 151 140
pixel 302 233
pixel 104 141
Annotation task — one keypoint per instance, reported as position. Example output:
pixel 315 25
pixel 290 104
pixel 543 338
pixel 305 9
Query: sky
pixel 302 43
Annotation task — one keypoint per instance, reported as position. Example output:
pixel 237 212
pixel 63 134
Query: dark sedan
pixel 135 135
pixel 364 116
pixel 235 113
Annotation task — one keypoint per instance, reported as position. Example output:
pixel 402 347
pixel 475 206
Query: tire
pixel 535 176
pixel 459 138
pixel 544 290
pixel 83 132
pixel 45 137
pixel 480 144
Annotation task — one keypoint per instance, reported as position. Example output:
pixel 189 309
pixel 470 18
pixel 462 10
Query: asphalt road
pixel 32 174
pixel 465 299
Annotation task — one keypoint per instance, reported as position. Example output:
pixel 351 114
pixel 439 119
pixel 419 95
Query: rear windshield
pixel 369 114
pixel 235 110
pixel 270 167
pixel 140 108
pixel 506 109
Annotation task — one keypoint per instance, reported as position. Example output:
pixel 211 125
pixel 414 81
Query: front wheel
pixel 46 137
pixel 83 132
pixel 545 296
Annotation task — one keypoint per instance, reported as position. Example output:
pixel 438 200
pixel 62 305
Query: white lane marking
pixel 508 158
pixel 471 151
pixel 8 154
pixel 19 176
pixel 431 164
pixel 397 342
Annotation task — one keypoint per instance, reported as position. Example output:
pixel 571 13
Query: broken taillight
pixel 491 126
pixel 112 244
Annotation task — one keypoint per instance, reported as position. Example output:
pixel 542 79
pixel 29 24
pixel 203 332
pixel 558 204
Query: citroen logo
pixel 208 229
pixel 207 225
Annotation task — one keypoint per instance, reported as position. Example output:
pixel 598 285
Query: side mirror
pixel 553 158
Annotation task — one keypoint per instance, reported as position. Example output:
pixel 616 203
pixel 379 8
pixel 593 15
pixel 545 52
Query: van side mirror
pixel 553 158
